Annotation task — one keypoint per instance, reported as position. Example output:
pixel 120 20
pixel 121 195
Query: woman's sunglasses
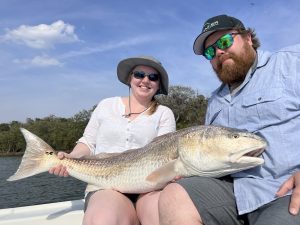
pixel 224 42
pixel 141 75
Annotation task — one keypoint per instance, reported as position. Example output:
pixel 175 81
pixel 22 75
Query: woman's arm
pixel 79 151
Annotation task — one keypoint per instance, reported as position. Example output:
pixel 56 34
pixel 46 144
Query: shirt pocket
pixel 262 108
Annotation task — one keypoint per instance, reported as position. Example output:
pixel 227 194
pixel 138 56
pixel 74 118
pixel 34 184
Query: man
pixel 260 92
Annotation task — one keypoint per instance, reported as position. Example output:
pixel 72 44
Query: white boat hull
pixel 65 213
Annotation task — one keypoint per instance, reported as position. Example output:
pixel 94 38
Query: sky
pixel 58 57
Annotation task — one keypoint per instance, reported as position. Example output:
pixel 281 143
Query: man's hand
pixel 293 183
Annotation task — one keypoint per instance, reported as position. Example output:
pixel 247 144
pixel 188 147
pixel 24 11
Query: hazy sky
pixel 58 57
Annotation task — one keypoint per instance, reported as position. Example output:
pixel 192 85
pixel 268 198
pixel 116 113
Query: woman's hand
pixel 60 170
pixel 293 183
pixel 80 150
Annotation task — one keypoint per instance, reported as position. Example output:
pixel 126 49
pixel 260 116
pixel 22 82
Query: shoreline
pixel 7 154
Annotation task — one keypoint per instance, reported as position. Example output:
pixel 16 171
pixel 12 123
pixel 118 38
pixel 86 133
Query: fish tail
pixel 33 160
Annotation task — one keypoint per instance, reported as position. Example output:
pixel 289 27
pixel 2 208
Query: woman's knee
pixel 147 208
pixel 147 201
pixel 109 207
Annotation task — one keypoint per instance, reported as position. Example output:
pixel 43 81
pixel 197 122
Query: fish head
pixel 218 151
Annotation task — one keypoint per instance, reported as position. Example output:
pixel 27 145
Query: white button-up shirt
pixel 109 131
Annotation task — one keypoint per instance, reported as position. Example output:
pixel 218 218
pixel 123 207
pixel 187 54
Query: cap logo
pixel 208 26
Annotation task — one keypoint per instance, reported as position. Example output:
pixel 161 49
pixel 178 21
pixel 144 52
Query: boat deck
pixel 66 213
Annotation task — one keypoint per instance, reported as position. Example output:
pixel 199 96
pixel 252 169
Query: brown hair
pixel 254 38
pixel 153 106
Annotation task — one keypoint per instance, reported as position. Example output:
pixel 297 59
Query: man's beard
pixel 236 73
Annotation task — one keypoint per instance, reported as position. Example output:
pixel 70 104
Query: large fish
pixel 209 151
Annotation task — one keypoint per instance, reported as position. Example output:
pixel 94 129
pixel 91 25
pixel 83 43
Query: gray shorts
pixel 215 202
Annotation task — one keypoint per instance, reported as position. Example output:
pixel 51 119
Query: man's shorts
pixel 215 202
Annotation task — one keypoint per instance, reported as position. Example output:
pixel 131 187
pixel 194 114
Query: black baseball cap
pixel 221 22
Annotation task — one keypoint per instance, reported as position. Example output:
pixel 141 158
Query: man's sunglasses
pixel 141 75
pixel 222 43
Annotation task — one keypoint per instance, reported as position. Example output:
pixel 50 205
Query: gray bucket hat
pixel 126 66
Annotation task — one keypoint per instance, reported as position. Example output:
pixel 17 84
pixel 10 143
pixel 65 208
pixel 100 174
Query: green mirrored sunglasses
pixel 222 43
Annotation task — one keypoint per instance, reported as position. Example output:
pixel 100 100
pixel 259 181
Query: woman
pixel 121 123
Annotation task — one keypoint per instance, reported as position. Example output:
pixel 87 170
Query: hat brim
pixel 126 66
pixel 198 44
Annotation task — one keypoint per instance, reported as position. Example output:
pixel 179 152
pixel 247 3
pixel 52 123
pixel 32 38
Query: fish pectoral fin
pixel 164 174
pixel 92 187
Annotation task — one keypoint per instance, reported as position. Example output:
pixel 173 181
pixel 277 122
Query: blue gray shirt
pixel 266 103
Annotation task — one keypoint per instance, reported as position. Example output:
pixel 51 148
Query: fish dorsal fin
pixel 165 173
pixel 92 187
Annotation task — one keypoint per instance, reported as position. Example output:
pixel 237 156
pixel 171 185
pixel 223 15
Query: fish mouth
pixel 249 156
pixel 254 153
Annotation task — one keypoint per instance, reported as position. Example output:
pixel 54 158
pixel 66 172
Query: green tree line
pixel 188 106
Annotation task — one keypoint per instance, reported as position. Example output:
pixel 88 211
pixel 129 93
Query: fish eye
pixel 235 136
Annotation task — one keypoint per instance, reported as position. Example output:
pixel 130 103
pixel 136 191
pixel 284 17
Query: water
pixel 39 189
